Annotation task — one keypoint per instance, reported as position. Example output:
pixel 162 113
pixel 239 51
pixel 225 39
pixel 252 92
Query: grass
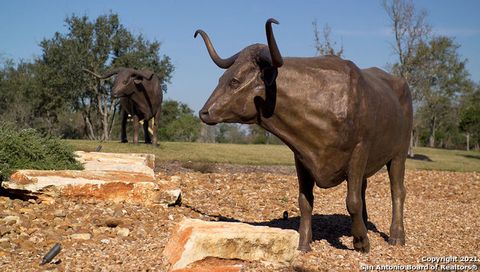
pixel 441 159
pixel 426 158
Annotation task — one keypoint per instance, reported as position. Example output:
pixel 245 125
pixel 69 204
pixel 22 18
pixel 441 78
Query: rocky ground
pixel 441 219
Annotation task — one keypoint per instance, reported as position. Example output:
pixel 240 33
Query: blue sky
pixel 362 27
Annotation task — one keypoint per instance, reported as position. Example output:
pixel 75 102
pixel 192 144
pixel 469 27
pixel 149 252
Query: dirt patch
pixel 441 219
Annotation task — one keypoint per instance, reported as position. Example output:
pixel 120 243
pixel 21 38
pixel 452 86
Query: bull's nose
pixel 203 114
pixel 205 117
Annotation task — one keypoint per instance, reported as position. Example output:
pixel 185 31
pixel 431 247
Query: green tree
pixel 178 122
pixel 17 96
pixel 442 79
pixel 98 45
pixel 230 133
pixel 470 118
pixel 258 135
pixel 409 28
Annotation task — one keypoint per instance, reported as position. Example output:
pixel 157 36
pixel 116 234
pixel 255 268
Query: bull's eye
pixel 234 83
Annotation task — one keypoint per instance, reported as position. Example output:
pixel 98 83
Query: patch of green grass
pixel 440 159
pixel 199 152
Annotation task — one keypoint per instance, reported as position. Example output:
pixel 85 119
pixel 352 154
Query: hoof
pixel 306 248
pixel 124 141
pixel 396 241
pixel 361 244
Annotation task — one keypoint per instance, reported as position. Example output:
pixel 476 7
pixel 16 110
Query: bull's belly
pixel 331 173
pixel 331 180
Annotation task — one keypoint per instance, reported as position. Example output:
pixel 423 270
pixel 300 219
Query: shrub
pixel 28 149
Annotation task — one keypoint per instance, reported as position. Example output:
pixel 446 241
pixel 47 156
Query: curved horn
pixel 277 59
pixel 222 63
pixel 145 74
pixel 107 75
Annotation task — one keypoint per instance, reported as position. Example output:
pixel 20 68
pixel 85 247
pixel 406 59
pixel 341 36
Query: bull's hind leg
pixel 355 203
pixel 396 173
pixel 364 206
pixel 305 201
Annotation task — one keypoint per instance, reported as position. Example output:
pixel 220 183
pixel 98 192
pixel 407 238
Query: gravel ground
pixel 441 219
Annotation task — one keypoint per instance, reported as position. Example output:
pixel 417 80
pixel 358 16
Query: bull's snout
pixel 206 118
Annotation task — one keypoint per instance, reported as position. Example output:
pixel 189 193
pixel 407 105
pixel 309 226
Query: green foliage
pixel 259 135
pixel 28 149
pixel 230 133
pixel 442 78
pixel 470 116
pixel 178 122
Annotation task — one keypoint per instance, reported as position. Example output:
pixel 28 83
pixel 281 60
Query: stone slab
pixel 127 162
pixel 194 240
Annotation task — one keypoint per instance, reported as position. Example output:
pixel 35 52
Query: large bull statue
pixel 141 96
pixel 341 122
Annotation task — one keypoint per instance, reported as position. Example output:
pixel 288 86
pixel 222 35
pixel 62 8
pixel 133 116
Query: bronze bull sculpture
pixel 341 122
pixel 141 96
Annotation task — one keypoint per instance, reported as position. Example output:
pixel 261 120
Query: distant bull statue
pixel 341 122
pixel 141 96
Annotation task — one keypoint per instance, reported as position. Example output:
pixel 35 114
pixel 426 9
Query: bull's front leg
pixel 123 137
pixel 305 201
pixel 135 129
pixel 355 205
pixel 146 133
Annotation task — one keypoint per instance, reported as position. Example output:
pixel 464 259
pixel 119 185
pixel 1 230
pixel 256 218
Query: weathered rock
pixel 11 219
pixel 194 240
pixel 107 176
pixel 170 192
pixel 99 161
pixel 81 236
pixel 124 232
pixel 102 185
pixel 59 213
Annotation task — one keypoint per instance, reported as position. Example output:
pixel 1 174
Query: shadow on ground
pixel 330 227
pixel 470 156
pixel 420 157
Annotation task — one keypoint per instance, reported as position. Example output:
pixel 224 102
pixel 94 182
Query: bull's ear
pixel 269 74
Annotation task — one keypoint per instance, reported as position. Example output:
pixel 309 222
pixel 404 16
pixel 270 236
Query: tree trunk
pixel 89 127
pixel 468 141
pixel 102 109
pixel 431 139
pixel 411 154
pixel 113 109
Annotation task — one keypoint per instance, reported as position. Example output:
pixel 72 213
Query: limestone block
pixel 138 163
pixel 195 240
